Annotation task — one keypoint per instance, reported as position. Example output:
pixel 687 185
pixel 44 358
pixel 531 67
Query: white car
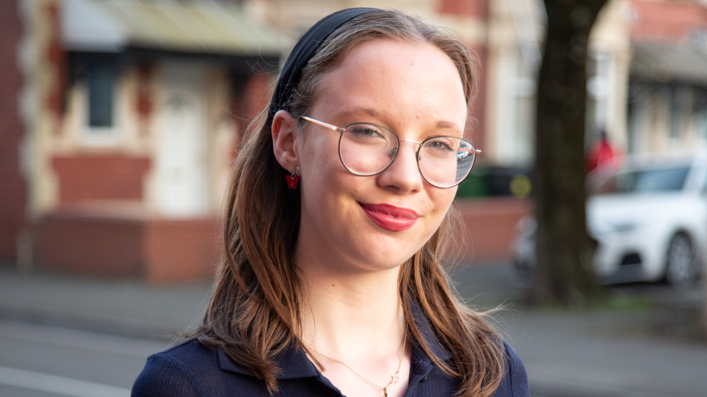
pixel 649 220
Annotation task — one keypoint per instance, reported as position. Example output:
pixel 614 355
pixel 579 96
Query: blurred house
pixel 125 122
pixel 667 95
pixel 120 117
pixel 124 115
pixel 647 76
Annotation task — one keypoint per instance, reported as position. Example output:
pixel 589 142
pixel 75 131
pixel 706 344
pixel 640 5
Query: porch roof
pixel 669 62
pixel 196 27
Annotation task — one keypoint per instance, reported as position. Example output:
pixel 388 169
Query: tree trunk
pixel 564 273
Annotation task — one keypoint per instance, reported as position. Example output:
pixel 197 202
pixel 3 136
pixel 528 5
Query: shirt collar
pixel 294 363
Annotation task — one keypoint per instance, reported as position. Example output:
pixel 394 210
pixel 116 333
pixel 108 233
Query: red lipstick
pixel 390 217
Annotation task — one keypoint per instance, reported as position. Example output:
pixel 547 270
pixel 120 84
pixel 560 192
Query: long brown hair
pixel 254 313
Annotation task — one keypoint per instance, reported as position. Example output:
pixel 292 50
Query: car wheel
pixel 681 264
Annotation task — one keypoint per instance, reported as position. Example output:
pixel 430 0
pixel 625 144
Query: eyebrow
pixel 442 124
pixel 448 124
pixel 358 110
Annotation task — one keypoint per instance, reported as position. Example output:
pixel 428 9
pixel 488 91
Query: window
pixel 644 181
pixel 100 84
pixel 101 77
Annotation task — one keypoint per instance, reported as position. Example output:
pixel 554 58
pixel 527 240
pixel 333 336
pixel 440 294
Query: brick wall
pixel 90 245
pixel 166 250
pixel 666 21
pixel 100 177
pixel 463 7
pixel 181 250
pixel 12 191
pixel 489 228
pixel 154 250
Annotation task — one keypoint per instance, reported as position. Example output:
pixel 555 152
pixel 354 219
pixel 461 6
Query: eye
pixel 365 131
pixel 441 144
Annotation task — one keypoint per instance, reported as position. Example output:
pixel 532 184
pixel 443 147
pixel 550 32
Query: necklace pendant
pixel 396 377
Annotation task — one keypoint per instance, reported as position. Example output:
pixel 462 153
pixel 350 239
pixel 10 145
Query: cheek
pixel 323 176
pixel 318 149
pixel 443 197
pixel 441 200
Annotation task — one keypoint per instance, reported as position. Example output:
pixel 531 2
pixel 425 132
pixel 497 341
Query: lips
pixel 390 217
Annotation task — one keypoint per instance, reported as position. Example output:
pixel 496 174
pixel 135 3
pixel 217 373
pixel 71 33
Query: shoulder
pixel 515 379
pixel 178 371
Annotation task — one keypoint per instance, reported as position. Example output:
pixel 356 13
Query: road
pixel 46 348
pixel 640 347
pixel 47 361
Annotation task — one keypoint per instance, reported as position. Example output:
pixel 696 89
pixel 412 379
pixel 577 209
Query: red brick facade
pixel 100 177
pixel 666 21
pixel 155 250
pixel 463 7
pixel 163 250
pixel 90 245
pixel 181 250
pixel 56 58
pixel 13 188
pixel 489 227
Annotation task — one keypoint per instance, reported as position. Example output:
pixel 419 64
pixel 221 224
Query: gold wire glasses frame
pixel 367 149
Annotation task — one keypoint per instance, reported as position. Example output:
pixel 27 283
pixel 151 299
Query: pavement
pixel 642 343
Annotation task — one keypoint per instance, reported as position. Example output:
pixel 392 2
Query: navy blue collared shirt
pixel 191 369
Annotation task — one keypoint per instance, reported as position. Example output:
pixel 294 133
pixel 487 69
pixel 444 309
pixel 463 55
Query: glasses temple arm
pixel 323 124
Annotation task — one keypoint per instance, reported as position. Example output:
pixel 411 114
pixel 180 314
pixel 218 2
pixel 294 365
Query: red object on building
pixel 602 154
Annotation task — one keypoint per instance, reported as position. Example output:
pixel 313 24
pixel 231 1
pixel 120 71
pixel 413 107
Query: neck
pixel 348 314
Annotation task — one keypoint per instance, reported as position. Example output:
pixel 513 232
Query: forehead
pixel 398 80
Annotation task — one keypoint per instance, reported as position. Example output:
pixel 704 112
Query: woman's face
pixel 377 222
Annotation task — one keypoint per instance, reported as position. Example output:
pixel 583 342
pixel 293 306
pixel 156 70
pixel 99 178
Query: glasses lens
pixel 367 149
pixel 445 161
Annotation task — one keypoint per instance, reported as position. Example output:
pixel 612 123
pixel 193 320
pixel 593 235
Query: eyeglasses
pixel 367 149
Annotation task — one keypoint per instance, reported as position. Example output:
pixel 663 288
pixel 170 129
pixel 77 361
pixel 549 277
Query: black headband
pixel 303 51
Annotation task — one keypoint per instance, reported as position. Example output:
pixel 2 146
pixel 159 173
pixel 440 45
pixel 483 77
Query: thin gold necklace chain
pixel 395 377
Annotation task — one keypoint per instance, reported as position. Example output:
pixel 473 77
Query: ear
pixel 284 139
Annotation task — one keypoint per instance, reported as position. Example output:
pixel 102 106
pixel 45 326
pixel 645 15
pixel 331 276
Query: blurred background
pixel 119 120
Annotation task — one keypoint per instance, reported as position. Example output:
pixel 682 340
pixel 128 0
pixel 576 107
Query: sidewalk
pixel 608 352
pixel 124 307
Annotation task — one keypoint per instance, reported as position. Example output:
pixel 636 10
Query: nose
pixel 403 175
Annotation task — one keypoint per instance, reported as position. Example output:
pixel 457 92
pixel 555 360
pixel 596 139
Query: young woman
pixel 335 228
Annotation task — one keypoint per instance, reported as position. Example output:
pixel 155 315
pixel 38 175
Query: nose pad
pixel 411 141
pixel 402 173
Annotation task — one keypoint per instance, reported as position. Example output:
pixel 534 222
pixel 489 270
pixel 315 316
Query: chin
pixel 388 256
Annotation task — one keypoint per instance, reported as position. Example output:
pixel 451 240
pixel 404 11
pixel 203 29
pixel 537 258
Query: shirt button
pixel 423 379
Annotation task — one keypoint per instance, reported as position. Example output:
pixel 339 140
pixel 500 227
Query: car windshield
pixel 643 181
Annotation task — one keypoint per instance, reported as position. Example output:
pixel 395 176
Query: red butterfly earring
pixel 293 180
